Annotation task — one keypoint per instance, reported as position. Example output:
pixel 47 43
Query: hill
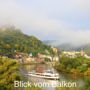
pixel 68 46
pixel 13 40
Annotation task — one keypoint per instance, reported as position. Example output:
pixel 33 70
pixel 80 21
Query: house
pixel 87 56
pixel 29 59
pixel 39 60
pixel 55 58
pixel 44 56
pixel 73 54
pixel 55 50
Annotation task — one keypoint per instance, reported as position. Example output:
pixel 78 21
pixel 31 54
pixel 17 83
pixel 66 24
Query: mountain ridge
pixel 14 40
pixel 69 46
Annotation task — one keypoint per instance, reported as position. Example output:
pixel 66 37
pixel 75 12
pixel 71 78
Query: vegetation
pixel 33 88
pixel 87 49
pixel 13 40
pixel 79 65
pixel 9 72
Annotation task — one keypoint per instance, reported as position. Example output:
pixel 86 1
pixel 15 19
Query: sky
pixel 67 21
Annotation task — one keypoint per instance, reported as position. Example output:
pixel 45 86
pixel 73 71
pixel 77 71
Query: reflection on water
pixel 83 83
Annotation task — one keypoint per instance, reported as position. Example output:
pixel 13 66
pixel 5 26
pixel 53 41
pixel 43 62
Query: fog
pixel 60 20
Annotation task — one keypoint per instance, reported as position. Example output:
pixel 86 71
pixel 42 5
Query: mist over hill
pixel 68 46
pixel 14 40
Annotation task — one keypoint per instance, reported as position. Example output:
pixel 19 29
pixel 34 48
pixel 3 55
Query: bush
pixel 8 73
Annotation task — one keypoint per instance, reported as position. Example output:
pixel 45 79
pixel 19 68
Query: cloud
pixel 48 20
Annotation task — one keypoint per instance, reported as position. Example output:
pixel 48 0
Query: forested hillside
pixel 13 40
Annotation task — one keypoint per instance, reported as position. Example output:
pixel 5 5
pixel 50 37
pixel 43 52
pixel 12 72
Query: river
pixel 82 83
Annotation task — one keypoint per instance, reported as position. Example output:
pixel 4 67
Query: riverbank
pixel 10 72
pixel 76 66
pixel 63 77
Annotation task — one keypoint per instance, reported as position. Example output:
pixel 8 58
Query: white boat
pixel 48 74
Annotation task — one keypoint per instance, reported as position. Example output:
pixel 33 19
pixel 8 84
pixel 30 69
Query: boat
pixel 47 74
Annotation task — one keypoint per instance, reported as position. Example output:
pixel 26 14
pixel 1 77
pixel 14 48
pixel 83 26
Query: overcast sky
pixel 62 20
